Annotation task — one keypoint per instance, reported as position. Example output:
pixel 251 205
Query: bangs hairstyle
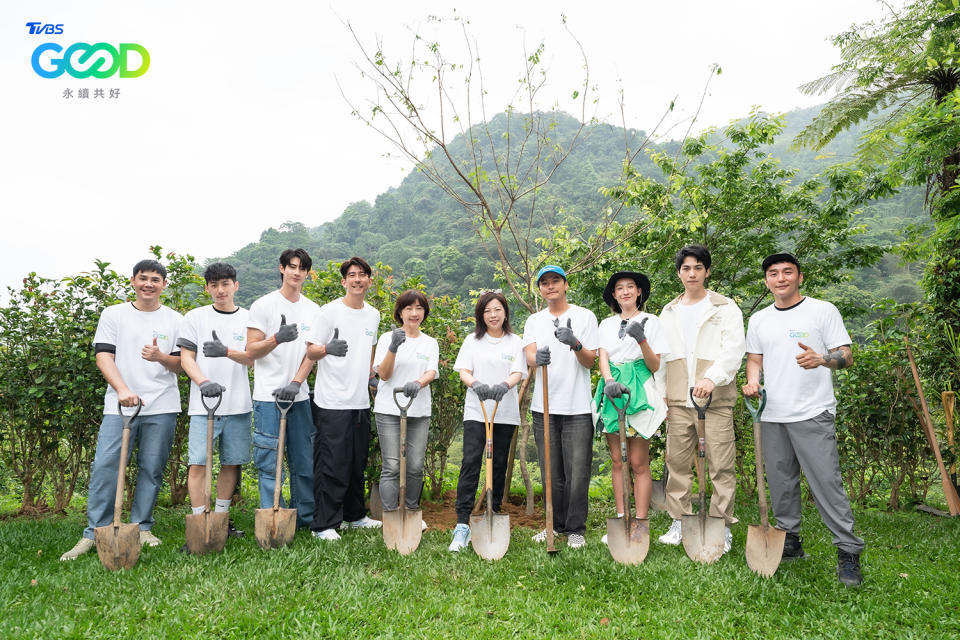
pixel 219 271
pixel 696 251
pixel 149 265
pixel 290 254
pixel 407 298
pixel 486 298
pixel 358 262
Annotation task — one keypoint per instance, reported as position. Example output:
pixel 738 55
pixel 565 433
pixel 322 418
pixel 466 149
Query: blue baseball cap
pixel 551 268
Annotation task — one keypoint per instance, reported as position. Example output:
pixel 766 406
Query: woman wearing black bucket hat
pixel 631 343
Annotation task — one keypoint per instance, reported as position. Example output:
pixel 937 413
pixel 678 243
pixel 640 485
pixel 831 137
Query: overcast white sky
pixel 239 125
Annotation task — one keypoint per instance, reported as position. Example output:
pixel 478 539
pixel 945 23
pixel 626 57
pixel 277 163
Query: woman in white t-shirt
pixel 491 364
pixel 405 359
pixel 631 343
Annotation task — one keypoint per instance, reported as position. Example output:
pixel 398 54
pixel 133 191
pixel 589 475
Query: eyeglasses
pixel 623 328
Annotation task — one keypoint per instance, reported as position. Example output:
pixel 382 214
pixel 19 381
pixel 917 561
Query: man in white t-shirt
pixel 136 352
pixel 564 337
pixel 220 368
pixel 277 327
pixel 343 343
pixel 705 333
pixel 797 342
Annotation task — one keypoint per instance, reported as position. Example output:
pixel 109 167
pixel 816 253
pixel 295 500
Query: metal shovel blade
pixel 764 549
pixel 490 535
pixel 376 504
pixel 118 545
pixel 658 496
pixel 402 530
pixel 632 548
pixel 207 532
pixel 275 528
pixel 703 537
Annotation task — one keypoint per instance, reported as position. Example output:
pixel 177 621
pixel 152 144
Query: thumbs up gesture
pixel 151 352
pixel 214 348
pixel 566 336
pixel 397 338
pixel 336 346
pixel 808 358
pixel 286 332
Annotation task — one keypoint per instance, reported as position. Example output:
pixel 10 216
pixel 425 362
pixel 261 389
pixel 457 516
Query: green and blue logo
pixel 98 60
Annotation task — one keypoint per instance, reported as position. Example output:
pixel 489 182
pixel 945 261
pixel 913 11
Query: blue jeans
pixel 153 436
pixel 571 453
pixel 299 445
pixel 231 438
pixel 388 428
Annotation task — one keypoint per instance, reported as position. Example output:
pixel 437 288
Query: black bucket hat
pixel 643 283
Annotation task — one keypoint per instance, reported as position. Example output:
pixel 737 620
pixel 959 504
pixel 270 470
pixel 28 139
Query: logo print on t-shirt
pixel 238 337
pixel 368 332
pixel 507 357
pixel 159 336
pixel 422 356
pixel 798 333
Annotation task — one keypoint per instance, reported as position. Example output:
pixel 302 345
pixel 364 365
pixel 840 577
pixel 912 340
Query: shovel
pixel 118 545
pixel 764 543
pixel 276 527
pixel 628 538
pixel 402 527
pixel 547 485
pixel 376 504
pixel 490 532
pixel 207 531
pixel 703 535
pixel 658 493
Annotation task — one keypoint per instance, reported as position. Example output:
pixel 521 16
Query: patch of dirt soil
pixel 442 516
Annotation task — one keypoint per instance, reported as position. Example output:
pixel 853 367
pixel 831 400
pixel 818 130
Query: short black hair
pixel 696 251
pixel 219 271
pixel 407 298
pixel 150 265
pixel 355 261
pixel 486 298
pixel 290 254
pixel 777 258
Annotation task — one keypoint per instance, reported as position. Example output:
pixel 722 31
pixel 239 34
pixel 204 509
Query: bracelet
pixel 579 346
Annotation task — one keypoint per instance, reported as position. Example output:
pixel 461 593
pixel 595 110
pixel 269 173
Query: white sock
pixel 222 505
pixel 198 510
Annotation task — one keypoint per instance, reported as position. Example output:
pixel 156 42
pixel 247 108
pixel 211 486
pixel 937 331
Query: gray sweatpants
pixel 810 446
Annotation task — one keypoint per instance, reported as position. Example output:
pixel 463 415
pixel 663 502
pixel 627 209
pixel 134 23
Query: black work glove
pixel 214 348
pixel 635 330
pixel 543 356
pixel 286 332
pixel 397 338
pixel 288 392
pixel 336 346
pixel 411 389
pixel 211 389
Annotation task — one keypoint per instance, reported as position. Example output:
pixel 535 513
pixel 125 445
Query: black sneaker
pixel 848 568
pixel 184 548
pixel 792 548
pixel 233 532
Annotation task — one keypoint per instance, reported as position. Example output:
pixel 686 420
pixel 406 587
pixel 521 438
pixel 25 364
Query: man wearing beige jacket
pixel 705 333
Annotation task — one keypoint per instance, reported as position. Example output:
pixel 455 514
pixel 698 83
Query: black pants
pixel 474 443
pixel 339 459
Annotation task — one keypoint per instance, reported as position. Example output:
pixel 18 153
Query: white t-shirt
pixel 626 349
pixel 277 368
pixel 795 393
pixel 198 327
pixel 130 330
pixel 414 358
pixel 689 316
pixel 492 361
pixel 341 383
pixel 569 381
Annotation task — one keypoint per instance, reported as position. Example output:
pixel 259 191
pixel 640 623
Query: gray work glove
pixel 411 389
pixel 286 332
pixel 482 390
pixel 214 348
pixel 635 330
pixel 397 338
pixel 373 384
pixel 543 356
pixel 566 336
pixel 288 392
pixel 498 390
pixel 336 346
pixel 211 389
pixel 614 389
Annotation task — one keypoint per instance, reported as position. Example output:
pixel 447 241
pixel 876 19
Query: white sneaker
pixel 461 538
pixel 542 536
pixel 727 539
pixel 366 522
pixel 576 540
pixel 604 539
pixel 674 534
pixel 82 547
pixel 423 525
pixel 326 534
pixel 147 538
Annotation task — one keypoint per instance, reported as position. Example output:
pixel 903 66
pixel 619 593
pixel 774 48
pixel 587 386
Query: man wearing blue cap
pixel 564 338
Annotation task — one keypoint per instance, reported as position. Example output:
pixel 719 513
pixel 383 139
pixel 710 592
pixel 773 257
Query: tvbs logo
pixel 39 27
pixel 98 60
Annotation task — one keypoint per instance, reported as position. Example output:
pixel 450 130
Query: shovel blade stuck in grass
pixel 490 535
pixel 764 549
pixel 118 546
pixel 206 532
pixel 275 528
pixel 628 548
pixel 402 529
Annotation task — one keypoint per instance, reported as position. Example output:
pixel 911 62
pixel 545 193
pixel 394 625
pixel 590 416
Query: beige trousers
pixel 720 457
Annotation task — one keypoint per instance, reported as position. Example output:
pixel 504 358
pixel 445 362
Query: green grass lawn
pixel 357 589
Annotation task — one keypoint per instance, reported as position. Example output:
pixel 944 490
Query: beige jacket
pixel 718 353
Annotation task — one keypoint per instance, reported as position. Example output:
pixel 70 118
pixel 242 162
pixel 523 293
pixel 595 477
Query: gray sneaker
pixel 461 537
